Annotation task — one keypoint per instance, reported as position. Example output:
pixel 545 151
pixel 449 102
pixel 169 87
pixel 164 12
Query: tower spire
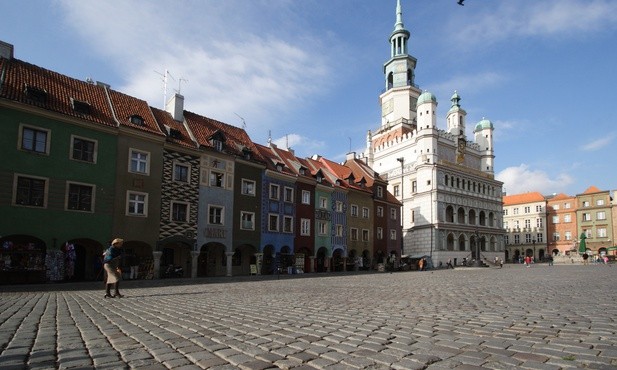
pixel 399 17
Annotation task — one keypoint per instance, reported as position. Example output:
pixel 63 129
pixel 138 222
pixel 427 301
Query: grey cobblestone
pixel 431 321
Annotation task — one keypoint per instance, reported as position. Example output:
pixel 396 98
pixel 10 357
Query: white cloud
pixel 522 179
pixel 259 76
pixel 554 18
pixel 302 146
pixel 598 143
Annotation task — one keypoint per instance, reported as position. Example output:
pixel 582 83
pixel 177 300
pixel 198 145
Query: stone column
pixel 229 258
pixel 312 264
pixel 156 264
pixel 194 262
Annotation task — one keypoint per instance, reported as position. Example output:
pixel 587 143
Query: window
pixel 515 211
pixel 528 238
pixel 396 191
pixel 305 227
pixel 339 230
pixel 323 202
pixel 215 215
pixel 36 95
pixel 80 106
pixel 538 208
pixel 354 210
pixel 79 197
pixel 586 203
pixel 601 232
pixel 517 239
pixel 600 202
pixel 516 224
pixel 273 222
pixel 414 186
pixel 555 219
pixel 601 215
pixel 380 233
pixel 247 220
pixel 567 218
pixel 379 192
pixel 179 212
pixel 287 224
pixel 539 223
pixel 289 194
pixel 393 213
pixel 568 235
pixel 527 209
pixel 137 204
pixel 527 224
pixel 218 145
pixel 353 233
pixel 322 228
pixel 139 162
pixel 181 173
pixel 248 187
pixel 588 233
pixel 30 191
pixel 540 238
pixel 555 237
pixel 83 149
pixel 505 212
pixel 392 234
pixel 365 212
pixel 556 207
pixel 274 191
pixel 339 206
pixel 138 120
pixel 217 179
pixel 586 216
pixel 35 140
pixel 306 197
pixel 364 235
pixel 567 206
pixel 379 211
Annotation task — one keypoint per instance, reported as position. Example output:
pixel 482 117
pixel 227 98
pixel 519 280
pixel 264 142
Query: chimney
pixel 350 156
pixel 175 107
pixel 6 50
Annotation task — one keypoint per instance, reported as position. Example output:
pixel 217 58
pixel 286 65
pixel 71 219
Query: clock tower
pixel 401 93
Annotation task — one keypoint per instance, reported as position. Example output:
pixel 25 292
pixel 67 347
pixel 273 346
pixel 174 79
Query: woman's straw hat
pixel 117 241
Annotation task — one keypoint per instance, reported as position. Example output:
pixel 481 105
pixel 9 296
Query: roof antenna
pixel 286 141
pixel 269 137
pixel 349 143
pixel 243 121
pixel 164 79
pixel 180 84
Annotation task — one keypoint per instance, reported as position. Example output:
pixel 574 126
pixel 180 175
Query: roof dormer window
pixel 217 141
pixel 36 95
pixel 176 134
pixel 137 120
pixel 279 167
pixel 247 153
pixel 302 170
pixel 80 106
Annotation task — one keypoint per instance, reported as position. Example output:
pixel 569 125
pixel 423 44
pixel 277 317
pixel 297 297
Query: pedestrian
pixel 111 264
pixel 585 258
pixel 449 264
pixel 528 261
pixel 424 264
pixel 550 260
pixel 134 266
pixel 421 264
pixel 501 263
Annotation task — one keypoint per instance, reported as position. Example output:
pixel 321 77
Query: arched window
pixel 472 217
pixel 461 216
pixel 449 214
pixel 450 242
pixel 491 219
pixel 482 218
pixel 461 243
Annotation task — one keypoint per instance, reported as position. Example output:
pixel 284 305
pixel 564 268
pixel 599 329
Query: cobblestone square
pixel 543 317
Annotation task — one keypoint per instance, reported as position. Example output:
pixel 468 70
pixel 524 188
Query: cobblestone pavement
pixel 530 318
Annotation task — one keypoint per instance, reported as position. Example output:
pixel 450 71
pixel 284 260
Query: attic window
pixel 80 106
pixel 36 95
pixel 217 144
pixel 247 153
pixel 319 179
pixel 302 171
pixel 137 120
pixel 176 134
pixel 279 167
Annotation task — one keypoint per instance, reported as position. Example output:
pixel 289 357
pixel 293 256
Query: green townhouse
pixel 323 216
pixel 57 182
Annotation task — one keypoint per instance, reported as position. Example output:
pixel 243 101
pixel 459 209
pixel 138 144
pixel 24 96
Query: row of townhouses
pixel 84 163
pixel 560 224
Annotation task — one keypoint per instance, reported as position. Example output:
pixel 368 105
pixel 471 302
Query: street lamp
pixel 402 161
pixel 533 241
pixel 478 260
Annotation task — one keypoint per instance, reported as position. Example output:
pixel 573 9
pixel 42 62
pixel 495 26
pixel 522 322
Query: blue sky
pixel 308 73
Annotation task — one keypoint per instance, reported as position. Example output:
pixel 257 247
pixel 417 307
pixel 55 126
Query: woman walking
pixel 111 264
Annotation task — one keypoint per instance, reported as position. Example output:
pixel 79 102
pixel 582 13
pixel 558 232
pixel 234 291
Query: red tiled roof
pixel 59 89
pixel 165 119
pixel 561 196
pixel 392 135
pixel 592 189
pixel 236 139
pixel 523 198
pixel 126 106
